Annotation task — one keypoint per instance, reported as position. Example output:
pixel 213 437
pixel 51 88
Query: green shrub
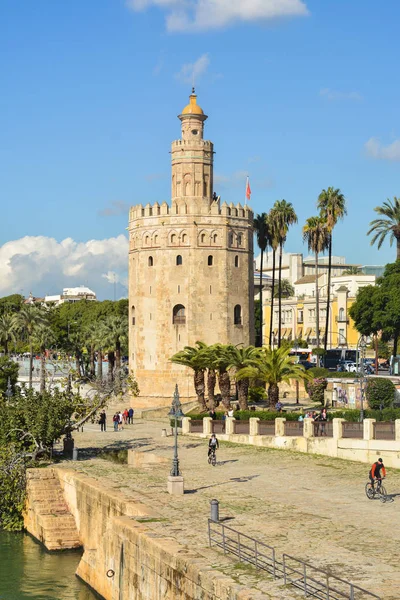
pixel 380 392
pixel 257 394
pixel 316 388
pixel 245 415
pixel 319 372
pixel 343 375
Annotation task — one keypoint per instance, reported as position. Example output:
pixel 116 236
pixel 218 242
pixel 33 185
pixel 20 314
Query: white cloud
pixel 200 15
pixel 330 94
pixel 44 266
pixel 375 149
pixel 191 72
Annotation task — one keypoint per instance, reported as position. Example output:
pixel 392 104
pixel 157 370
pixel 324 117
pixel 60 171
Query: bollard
pixel 163 433
pixel 75 454
pixel 214 511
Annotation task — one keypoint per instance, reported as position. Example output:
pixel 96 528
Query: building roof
pixel 307 279
pixel 192 108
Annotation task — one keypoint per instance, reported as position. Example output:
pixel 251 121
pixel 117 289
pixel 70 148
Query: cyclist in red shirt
pixel 377 471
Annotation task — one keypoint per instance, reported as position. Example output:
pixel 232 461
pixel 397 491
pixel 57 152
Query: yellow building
pixel 298 319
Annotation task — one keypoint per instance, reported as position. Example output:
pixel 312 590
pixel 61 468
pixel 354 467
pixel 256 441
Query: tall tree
pixel 273 367
pixel 25 322
pixel 7 331
pixel 283 215
pixel 195 359
pixel 116 336
pixel 332 205
pixel 273 243
pixel 315 234
pixel 43 337
pixel 239 358
pixel 219 361
pixel 389 226
pixel 262 234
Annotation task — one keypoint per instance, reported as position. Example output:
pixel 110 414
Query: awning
pixel 299 331
pixel 308 332
pixel 283 332
pixel 275 331
pixel 289 334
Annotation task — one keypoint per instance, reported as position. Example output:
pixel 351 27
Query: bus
pixel 336 355
pixel 303 355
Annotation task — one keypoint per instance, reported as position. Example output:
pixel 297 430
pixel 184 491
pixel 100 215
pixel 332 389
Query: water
pixel 27 571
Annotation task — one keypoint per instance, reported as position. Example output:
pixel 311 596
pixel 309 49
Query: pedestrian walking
pixel 103 420
pixel 130 416
pixel 120 421
pixel 125 415
pixel 116 421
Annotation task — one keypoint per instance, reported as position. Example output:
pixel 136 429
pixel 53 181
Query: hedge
pixel 380 392
pixel 245 415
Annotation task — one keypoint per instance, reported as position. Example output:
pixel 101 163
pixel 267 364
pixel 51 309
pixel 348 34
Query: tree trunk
pixel 30 365
pixel 199 386
pixel 211 381
pixel 328 295
pixel 261 298
pixel 92 367
pixel 273 394
pixel 6 346
pixel 271 319
pixel 42 370
pixel 111 365
pixel 280 294
pixel 398 248
pixel 395 340
pixel 316 304
pixel 243 393
pixel 100 364
pixel 77 363
pixel 376 353
pixel 225 387
pixel 118 354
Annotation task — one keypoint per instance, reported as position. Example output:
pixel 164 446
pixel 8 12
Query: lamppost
pixel 361 345
pixel 176 412
pixel 9 389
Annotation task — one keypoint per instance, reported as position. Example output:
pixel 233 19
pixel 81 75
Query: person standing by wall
pixel 103 420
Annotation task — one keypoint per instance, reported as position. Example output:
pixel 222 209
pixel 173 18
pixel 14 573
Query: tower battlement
pixel 164 209
pixel 200 143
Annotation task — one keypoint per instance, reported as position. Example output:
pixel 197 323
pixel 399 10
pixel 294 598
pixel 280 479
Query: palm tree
pixel 286 288
pixel 315 233
pixel 195 359
pixel 91 335
pixel 218 360
pixel 273 244
pixel 25 322
pixel 100 335
pixel 283 215
pixel 43 336
pixel 273 367
pixel 240 358
pixel 260 224
pixel 352 271
pixel 332 206
pixel 389 226
pixel 116 335
pixel 7 331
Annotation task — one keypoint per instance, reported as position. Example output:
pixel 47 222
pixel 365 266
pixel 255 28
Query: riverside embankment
pixel 312 507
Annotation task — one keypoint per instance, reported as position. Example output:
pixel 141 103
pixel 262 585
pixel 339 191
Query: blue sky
pixel 300 95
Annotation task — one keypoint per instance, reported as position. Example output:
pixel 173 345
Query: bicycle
pixel 212 459
pixel 376 492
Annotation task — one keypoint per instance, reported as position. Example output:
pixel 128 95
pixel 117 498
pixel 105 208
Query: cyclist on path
pixel 213 444
pixel 377 471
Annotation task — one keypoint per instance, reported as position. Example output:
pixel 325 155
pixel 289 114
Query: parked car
pixel 342 365
pixel 351 367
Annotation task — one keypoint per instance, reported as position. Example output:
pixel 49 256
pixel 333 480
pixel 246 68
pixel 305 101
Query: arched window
pixel 133 315
pixel 178 315
pixel 147 240
pixel 184 238
pixel 173 238
pixel 341 314
pixel 210 260
pixel 203 238
pixel 179 260
pixel 150 261
pixel 215 238
pixel 231 239
pixel 237 315
pixel 239 239
pixel 156 240
pixel 236 261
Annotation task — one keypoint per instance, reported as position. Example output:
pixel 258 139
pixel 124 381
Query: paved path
pixel 311 507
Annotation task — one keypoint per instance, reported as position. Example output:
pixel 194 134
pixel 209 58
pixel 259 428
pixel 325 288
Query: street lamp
pixel 9 389
pixel 176 412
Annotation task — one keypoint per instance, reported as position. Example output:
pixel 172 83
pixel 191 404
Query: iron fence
pixel 384 431
pixel 196 426
pixel 218 426
pixel 323 428
pixel 242 427
pixel 353 430
pixel 294 428
pixel 315 583
pixel 266 427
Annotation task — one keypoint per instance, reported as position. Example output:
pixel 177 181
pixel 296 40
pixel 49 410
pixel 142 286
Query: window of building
pixel 156 240
pixel 231 239
pixel 237 315
pixel 150 261
pixel 184 238
pixel 179 260
pixel 133 315
pixel 203 238
pixel 236 261
pixel 341 314
pixel 210 260
pixel 239 239
pixel 173 238
pixel 215 238
pixel 178 315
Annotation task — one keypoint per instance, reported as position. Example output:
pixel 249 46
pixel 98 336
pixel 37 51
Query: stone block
pixel 254 426
pixel 308 430
pixel 338 428
pixel 280 426
pixel 175 485
pixel 230 425
pixel 186 425
pixel 368 429
pixel 207 425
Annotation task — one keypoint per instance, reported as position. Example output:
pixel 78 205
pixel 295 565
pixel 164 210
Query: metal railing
pixel 323 429
pixel 384 431
pixel 294 428
pixel 242 427
pixel 196 426
pixel 353 430
pixel 266 427
pixel 218 427
pixel 315 582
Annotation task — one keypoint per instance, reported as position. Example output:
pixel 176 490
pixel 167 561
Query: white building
pixel 74 294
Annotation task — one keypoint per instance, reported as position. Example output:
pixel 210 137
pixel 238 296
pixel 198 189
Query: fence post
pixel 254 426
pixel 186 425
pixel 397 430
pixel 368 433
pixel 230 425
pixel 207 425
pixel 308 428
pixel 337 428
pixel 256 553
pixel 305 578
pixel 280 426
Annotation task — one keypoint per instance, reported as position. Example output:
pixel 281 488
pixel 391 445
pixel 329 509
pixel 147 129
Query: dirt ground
pixel 311 507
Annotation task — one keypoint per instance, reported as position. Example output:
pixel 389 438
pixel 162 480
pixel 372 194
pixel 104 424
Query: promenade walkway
pixel 311 507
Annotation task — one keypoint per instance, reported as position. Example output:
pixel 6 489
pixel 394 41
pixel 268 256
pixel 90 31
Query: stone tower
pixel 190 269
